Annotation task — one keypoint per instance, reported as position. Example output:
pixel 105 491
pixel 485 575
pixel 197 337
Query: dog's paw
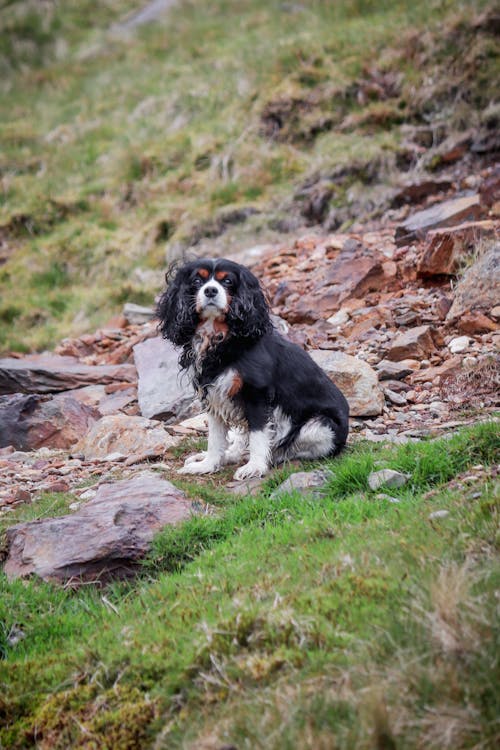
pixel 250 470
pixel 195 458
pixel 205 466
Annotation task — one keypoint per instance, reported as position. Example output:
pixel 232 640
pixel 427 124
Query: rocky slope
pixel 402 312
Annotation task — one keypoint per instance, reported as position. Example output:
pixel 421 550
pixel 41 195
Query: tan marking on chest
pixel 236 385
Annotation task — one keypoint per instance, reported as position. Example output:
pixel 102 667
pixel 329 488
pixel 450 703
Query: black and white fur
pixel 267 400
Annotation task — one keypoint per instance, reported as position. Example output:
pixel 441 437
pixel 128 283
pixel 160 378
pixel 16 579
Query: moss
pixel 88 717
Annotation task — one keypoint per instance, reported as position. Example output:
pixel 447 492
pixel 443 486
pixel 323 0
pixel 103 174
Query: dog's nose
pixel 211 291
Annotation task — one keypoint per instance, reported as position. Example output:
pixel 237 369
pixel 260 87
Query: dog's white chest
pixel 220 398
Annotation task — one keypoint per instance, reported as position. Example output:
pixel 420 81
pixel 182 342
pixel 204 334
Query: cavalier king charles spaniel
pixel 267 400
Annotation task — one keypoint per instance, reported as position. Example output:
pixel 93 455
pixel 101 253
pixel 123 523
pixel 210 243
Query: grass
pixel 281 622
pixel 116 149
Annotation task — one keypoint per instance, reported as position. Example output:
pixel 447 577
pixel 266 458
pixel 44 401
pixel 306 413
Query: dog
pixel 266 399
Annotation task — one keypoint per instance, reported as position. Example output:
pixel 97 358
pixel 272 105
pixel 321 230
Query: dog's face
pixel 212 289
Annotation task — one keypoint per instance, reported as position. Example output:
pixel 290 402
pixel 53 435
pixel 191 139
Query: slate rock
pixel 137 314
pixel 416 343
pixel 386 478
pixel 164 392
pixel 447 248
pixel 49 373
pixel 440 215
pixel 389 370
pixel 478 288
pixel 30 421
pixel 355 378
pixel 104 538
pixel 122 434
pixel 355 272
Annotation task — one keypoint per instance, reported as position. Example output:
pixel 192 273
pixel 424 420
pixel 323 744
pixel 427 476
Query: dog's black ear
pixel 248 314
pixel 176 308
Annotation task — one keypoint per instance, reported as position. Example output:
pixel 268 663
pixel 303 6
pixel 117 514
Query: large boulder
pixel 49 373
pixel 355 378
pixel 119 433
pixel 105 538
pixel 478 289
pixel 30 421
pixel 164 392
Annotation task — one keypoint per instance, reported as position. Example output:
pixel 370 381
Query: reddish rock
pixel 447 248
pixel 416 191
pixel 49 373
pixel 430 373
pixel 29 421
pixel 105 538
pixel 416 343
pixel 478 288
pixel 476 322
pixel 355 272
pixel 440 215
pixel 489 189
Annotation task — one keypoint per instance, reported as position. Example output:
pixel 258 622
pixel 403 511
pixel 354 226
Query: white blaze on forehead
pixel 211 306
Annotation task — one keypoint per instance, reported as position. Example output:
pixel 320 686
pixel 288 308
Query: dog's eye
pixel 197 282
pixel 227 282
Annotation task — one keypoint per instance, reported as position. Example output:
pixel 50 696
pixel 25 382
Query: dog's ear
pixel 248 314
pixel 176 308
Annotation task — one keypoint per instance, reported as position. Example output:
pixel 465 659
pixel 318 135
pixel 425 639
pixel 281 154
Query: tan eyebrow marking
pixel 203 273
pixel 219 275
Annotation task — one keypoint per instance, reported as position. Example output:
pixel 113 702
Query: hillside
pixel 348 152
pixel 125 145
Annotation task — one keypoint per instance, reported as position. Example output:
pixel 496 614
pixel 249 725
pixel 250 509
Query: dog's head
pixel 212 289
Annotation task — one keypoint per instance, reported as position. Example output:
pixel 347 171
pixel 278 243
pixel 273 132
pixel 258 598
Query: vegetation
pixel 121 148
pixel 347 621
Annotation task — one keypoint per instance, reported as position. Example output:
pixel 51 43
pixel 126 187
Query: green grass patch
pixel 280 622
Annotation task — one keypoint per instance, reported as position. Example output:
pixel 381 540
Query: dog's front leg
pixel 260 455
pixel 212 460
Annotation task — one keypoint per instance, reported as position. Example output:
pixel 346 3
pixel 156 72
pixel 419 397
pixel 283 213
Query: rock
pixel 340 318
pixel 355 272
pixel 305 482
pixel 386 478
pixel 415 343
pixel 459 344
pixel 29 421
pixel 438 514
pixel 105 403
pixel 415 191
pixel 163 391
pixel 478 288
pixel 447 248
pixel 49 373
pixel 440 215
pixel 246 486
pixel 105 538
pixel 431 373
pixel 399 399
pixel 355 378
pixel 125 435
pixel 495 312
pixel 137 314
pixel 388 370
